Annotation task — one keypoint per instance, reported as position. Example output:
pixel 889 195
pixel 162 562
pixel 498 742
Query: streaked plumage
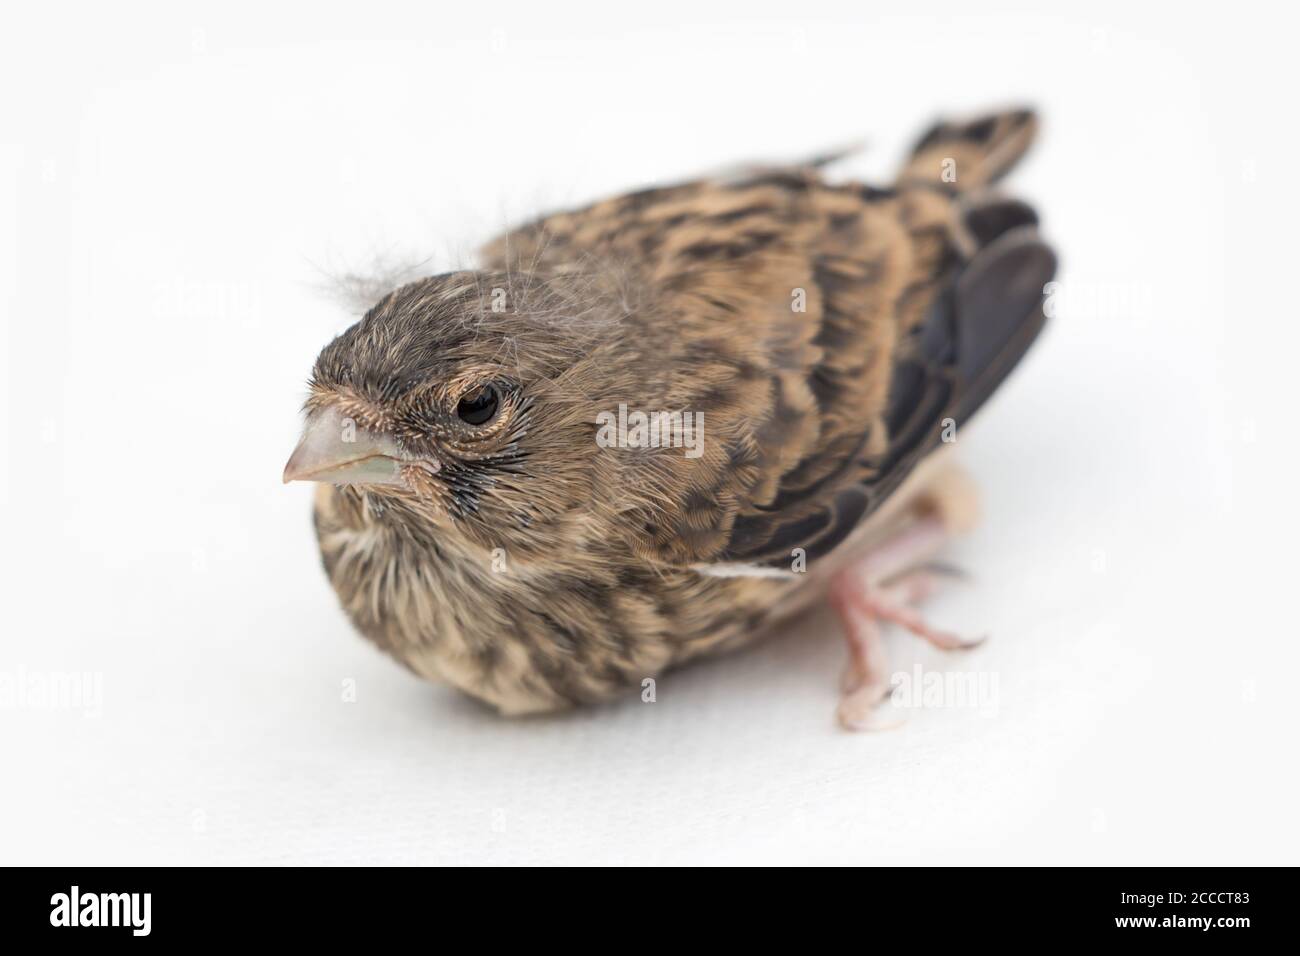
pixel 827 332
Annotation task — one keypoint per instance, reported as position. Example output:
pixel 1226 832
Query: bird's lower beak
pixel 338 450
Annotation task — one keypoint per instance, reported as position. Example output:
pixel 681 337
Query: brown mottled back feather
pixel 798 403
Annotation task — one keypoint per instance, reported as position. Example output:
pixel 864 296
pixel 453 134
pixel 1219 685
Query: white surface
pixel 175 185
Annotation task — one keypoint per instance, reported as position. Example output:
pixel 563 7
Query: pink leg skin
pixel 881 588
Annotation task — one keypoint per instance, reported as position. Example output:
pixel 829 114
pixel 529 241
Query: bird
pixel 657 427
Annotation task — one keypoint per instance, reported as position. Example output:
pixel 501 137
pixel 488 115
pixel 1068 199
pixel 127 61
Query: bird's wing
pixel 984 317
pixel 826 332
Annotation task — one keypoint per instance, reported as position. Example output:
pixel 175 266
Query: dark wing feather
pixel 976 331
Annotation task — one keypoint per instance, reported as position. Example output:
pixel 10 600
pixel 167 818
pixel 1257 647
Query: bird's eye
pixel 478 406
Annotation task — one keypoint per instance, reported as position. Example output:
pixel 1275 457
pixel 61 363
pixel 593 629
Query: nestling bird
pixel 483 521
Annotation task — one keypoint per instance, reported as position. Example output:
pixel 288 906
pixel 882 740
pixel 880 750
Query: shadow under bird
pixel 783 357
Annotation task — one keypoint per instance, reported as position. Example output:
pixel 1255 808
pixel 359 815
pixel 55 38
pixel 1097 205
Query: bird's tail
pixel 965 155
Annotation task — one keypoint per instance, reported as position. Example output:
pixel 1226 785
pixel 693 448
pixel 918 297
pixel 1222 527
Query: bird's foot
pixel 883 587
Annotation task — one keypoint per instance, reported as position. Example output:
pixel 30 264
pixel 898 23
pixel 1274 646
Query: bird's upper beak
pixel 337 450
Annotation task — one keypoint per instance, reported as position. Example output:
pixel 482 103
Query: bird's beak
pixel 338 450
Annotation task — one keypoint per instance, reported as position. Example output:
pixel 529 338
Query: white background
pixel 176 189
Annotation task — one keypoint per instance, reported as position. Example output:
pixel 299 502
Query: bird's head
pixel 465 400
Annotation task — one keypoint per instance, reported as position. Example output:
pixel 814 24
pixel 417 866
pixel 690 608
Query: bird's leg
pixel 882 587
